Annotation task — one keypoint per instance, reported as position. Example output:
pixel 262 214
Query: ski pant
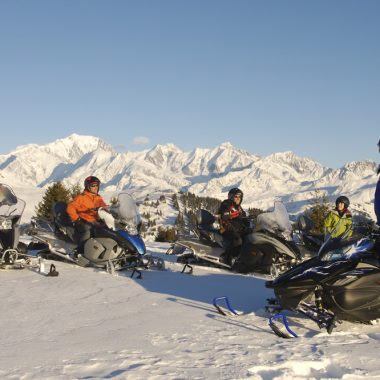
pixel 234 242
pixel 82 233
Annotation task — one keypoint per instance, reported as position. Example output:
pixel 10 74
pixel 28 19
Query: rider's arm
pixel 224 211
pixel 72 209
pixel 329 222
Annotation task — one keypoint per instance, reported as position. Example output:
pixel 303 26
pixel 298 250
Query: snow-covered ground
pixel 87 324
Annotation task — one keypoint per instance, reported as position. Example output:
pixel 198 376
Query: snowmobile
pixel 12 251
pixel 116 243
pixel 307 241
pixel 268 250
pixel 341 283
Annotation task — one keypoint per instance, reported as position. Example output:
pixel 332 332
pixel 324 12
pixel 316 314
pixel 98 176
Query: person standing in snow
pixel 83 210
pixel 377 194
pixel 234 224
pixel 338 222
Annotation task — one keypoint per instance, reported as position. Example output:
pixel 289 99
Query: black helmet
pixel 233 192
pixel 90 181
pixel 342 199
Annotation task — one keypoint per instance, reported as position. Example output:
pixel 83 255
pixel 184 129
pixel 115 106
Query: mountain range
pixel 202 171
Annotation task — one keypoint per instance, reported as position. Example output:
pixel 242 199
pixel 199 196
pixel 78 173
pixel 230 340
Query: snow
pixel 87 324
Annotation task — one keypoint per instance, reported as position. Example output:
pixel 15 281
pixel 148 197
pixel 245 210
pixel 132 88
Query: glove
pixel 77 222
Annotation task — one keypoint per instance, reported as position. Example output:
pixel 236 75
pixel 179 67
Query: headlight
pixel 131 228
pixel 335 254
pixel 5 224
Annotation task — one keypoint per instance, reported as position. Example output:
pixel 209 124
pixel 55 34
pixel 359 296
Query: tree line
pixel 187 214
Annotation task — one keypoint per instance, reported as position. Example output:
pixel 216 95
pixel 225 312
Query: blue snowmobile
pixel 115 244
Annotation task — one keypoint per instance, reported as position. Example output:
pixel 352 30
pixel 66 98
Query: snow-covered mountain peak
pixel 361 168
pixel 160 155
pixel 203 171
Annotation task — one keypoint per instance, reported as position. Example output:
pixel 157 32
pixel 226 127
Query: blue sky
pixel 267 76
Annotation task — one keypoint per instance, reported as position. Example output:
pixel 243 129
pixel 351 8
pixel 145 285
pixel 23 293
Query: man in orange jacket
pixel 83 210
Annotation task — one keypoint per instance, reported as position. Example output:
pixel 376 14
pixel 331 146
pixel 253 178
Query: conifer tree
pixel 75 190
pixel 318 211
pixel 54 193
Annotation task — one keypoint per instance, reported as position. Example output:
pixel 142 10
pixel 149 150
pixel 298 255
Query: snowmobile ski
pixel 221 311
pixel 277 330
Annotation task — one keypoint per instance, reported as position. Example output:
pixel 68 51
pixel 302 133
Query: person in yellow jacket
pixel 83 210
pixel 338 222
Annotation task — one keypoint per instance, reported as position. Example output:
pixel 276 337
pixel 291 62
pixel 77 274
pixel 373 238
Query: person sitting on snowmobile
pixel 338 222
pixel 83 210
pixel 234 224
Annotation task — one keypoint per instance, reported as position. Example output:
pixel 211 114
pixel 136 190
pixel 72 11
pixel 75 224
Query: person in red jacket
pixel 234 224
pixel 83 210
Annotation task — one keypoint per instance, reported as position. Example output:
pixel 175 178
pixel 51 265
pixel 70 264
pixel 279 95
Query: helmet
pixel 342 199
pixel 235 191
pixel 91 180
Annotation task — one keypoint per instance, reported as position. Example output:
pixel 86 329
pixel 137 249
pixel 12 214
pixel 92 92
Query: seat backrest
pixel 60 214
pixel 204 217
pixel 304 223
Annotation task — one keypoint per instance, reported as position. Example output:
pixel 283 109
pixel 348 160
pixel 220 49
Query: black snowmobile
pixel 340 284
pixel 14 253
pixel 308 241
pixel 268 250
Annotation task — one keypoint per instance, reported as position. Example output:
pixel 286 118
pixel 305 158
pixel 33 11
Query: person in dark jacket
pixel 377 194
pixel 83 210
pixel 234 224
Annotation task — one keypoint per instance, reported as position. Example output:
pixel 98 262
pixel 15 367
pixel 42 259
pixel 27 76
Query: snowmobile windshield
pixel 344 249
pixel 10 205
pixel 275 221
pixel 126 213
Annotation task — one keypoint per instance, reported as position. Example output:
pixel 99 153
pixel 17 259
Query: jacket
pixel 337 225
pixel 377 202
pixel 85 206
pixel 232 217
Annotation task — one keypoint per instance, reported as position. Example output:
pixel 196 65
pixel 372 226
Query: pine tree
pixel 318 211
pixel 54 193
pixel 254 212
pixel 75 190
pixel 175 201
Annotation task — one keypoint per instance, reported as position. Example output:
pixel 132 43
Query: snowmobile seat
pixel 60 214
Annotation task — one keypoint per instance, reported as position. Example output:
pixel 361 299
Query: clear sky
pixel 265 75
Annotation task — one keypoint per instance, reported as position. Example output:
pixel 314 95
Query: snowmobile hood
pixel 344 249
pixel 135 240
